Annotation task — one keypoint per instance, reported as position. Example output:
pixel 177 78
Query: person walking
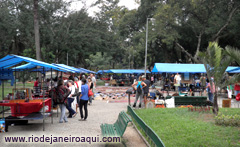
pixel 146 89
pixel 62 91
pixel 139 90
pixel 70 99
pixel 83 100
pixel 94 81
pixel 90 86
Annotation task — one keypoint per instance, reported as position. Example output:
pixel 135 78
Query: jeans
pixel 141 98
pixel 78 99
pixel 63 111
pixel 210 96
pixel 81 104
pixel 69 107
pixel 90 99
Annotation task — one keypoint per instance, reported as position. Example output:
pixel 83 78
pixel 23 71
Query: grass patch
pixel 179 127
pixel 100 82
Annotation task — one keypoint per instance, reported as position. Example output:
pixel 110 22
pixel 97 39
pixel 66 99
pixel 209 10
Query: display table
pixel 22 108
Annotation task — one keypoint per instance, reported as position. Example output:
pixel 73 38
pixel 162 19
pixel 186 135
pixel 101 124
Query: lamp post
pixel 152 19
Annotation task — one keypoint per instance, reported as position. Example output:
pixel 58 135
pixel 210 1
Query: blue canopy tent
pixel 86 70
pixel 73 69
pixel 178 68
pixel 234 70
pixel 181 68
pixel 102 71
pixel 11 60
pixel 33 68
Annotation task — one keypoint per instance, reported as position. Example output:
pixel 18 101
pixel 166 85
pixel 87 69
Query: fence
pixel 146 129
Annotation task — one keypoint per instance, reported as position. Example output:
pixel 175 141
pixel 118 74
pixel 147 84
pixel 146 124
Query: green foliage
pixel 227 120
pixel 100 61
pixel 216 63
pixel 118 32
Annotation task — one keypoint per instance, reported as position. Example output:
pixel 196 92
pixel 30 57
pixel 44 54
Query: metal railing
pixel 146 129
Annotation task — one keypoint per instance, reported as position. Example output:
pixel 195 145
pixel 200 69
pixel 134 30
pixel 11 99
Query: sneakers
pixel 81 119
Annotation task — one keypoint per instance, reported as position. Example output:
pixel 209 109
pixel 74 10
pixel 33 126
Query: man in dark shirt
pixel 146 89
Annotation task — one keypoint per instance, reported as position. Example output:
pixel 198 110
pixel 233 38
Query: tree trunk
pixel 215 104
pixel 36 30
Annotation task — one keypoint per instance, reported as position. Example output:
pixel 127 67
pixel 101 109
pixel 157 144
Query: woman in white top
pixel 70 99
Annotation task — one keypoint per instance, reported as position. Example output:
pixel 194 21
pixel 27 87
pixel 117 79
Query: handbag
pixel 90 93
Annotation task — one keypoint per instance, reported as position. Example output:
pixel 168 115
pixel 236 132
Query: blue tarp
pixel 102 71
pixel 181 68
pixel 234 70
pixel 11 60
pixel 33 68
pixel 86 70
pixel 126 71
pixel 73 69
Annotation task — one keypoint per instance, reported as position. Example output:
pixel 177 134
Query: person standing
pixel 70 99
pixel 211 90
pixel 83 100
pixel 36 82
pixel 90 86
pixel 139 90
pixel 146 89
pixel 94 81
pixel 152 79
pixel 203 84
pixel 177 81
pixel 62 102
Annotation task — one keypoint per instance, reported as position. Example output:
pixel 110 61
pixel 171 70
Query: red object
pixel 22 108
pixel 238 97
pixel 90 93
pixel 36 84
pixel 76 84
pixel 237 87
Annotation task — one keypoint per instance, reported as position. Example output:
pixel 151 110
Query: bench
pixel 190 100
pixel 118 128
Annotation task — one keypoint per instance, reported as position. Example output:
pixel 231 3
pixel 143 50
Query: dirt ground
pixel 100 112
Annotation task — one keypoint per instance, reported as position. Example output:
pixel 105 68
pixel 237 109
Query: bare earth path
pixel 99 112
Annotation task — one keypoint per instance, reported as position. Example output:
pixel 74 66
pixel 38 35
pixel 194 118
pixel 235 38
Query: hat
pixel 143 76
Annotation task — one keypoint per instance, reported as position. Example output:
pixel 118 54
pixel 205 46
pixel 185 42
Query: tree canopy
pixel 115 37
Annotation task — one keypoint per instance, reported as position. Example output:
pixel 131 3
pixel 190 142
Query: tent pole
pixel 43 104
pixel 15 81
pixel 52 101
pixel 2 97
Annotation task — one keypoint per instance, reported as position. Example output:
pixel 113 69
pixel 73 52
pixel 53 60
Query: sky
pixel 78 4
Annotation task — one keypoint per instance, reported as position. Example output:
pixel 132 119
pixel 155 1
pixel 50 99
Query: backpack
pixel 139 88
pixel 77 93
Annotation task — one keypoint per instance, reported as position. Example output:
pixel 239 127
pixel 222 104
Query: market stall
pixel 28 107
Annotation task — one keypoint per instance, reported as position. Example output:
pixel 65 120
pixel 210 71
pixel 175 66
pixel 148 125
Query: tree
pixel 216 62
pixel 36 30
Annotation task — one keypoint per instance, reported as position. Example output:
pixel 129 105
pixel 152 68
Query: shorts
pixel 145 94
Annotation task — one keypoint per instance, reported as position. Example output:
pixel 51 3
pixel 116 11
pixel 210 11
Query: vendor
pixel 36 83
